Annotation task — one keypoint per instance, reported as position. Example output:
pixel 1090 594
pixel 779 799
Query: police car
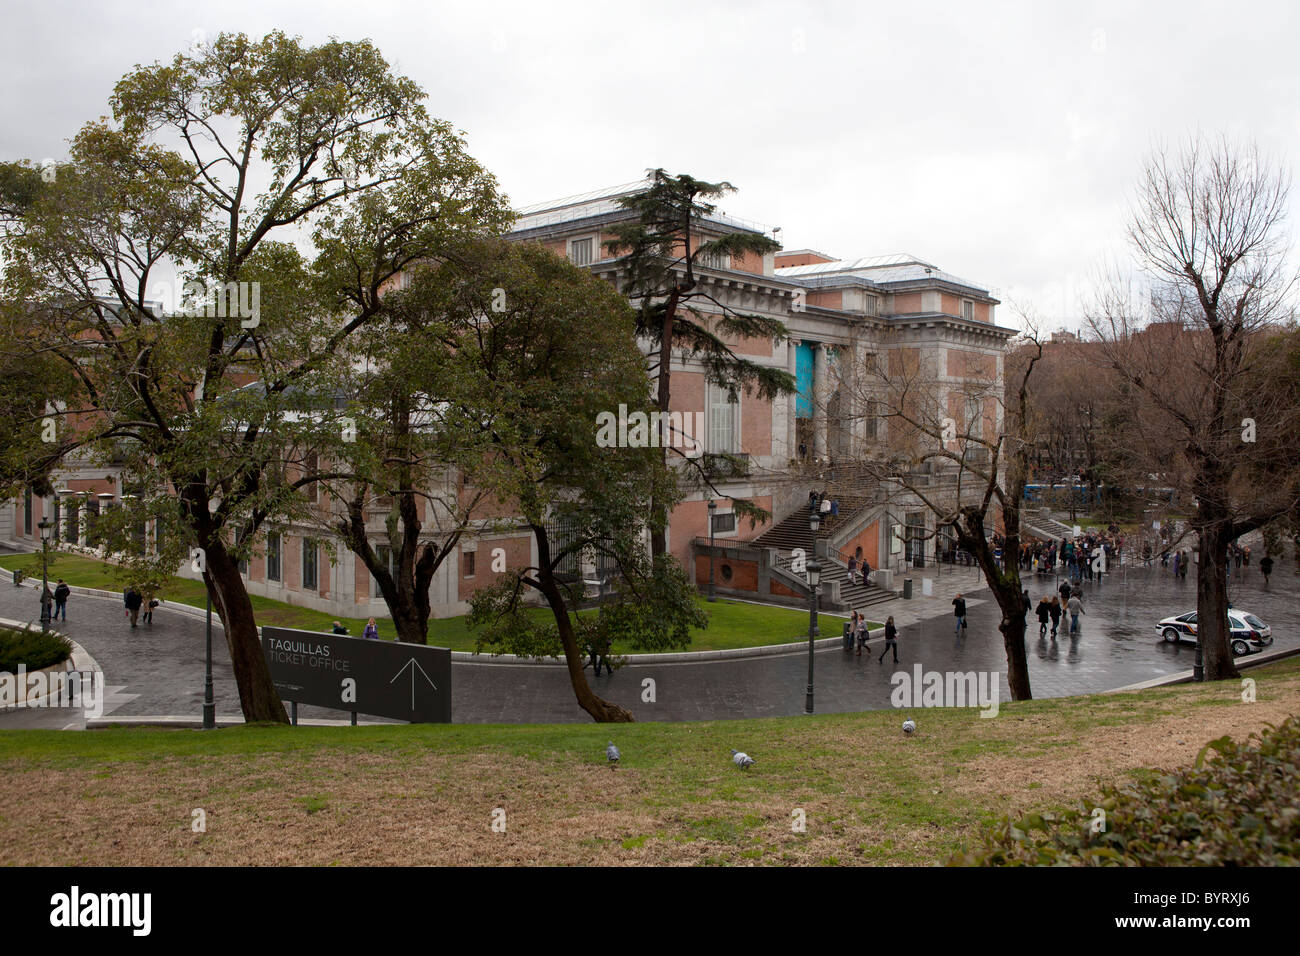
pixel 1249 633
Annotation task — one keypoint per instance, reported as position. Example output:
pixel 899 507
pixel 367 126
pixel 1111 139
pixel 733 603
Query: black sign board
pixel 382 678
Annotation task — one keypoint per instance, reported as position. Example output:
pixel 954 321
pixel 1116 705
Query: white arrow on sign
pixel 414 667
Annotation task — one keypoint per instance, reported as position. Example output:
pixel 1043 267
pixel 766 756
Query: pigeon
pixel 611 753
pixel 742 760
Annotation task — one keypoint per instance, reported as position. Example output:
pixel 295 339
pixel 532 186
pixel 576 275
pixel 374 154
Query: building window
pixel 310 467
pixel 872 415
pixel 974 417
pixel 724 523
pixel 469 563
pixel 273 556
pixel 309 569
pixel 580 251
pixel 385 555
pixel 968 310
pixel 722 421
pixel 873 305
pixel 713 260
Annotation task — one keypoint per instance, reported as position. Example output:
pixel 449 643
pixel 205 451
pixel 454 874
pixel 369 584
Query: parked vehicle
pixel 1248 633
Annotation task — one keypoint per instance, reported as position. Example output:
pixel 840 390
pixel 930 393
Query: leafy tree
pixel 306 176
pixel 663 252
pixel 534 377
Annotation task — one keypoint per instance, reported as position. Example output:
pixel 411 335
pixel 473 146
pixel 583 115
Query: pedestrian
pixel 1182 569
pixel 1266 568
pixel 959 613
pixel 371 632
pixel 148 605
pixel 812 501
pixel 1065 590
pixel 1178 557
pixel 1044 612
pixel 47 604
pixel 133 600
pixel 1076 608
pixel 1245 556
pixel 62 591
pixel 1055 612
pixel 1025 616
pixel 339 628
pixel 863 634
pixel 866 573
pixel 600 658
pixel 891 640
pixel 825 505
pixel 853 566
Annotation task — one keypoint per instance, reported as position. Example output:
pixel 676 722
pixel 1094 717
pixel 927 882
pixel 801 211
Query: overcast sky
pixel 999 141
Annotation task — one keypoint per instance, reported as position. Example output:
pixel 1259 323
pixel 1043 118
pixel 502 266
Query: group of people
pixel 1077 558
pixel 855 569
pixel 1051 608
pixel 858 635
pixel 821 502
pixel 54 603
pixel 135 601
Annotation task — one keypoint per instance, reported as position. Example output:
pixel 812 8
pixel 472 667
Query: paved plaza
pixel 159 670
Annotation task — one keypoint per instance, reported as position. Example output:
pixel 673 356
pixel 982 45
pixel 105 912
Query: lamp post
pixel 712 507
pixel 45 527
pixel 814 578
pixel 209 706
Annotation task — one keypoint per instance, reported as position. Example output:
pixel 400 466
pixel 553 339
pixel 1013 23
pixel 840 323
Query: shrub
pixel 1241 807
pixel 31 647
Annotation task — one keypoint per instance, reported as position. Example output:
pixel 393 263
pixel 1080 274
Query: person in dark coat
pixel 1055 612
pixel 959 612
pixel 1044 612
pixel 61 592
pixel 891 641
pixel 1266 567
pixel 133 600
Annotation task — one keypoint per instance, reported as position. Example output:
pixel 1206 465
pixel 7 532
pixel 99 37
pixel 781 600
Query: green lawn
pixel 732 624
pixel 426 794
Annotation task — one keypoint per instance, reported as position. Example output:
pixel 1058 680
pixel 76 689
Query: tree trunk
pixel 659 535
pixel 1212 604
pixel 601 710
pixel 1006 589
pixel 258 698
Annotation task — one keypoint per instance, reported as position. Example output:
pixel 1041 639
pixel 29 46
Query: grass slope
pixel 426 794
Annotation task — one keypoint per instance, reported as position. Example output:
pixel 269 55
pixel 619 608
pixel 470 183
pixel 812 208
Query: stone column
pixel 820 393
pixel 791 404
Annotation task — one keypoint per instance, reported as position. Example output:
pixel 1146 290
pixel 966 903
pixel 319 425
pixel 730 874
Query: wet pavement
pixel 159 670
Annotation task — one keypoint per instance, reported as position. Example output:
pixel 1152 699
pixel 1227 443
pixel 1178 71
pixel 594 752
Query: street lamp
pixel 814 578
pixel 46 527
pixel 712 507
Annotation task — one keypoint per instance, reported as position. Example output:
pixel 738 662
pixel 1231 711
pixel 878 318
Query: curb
pixel 182 722
pixel 1187 677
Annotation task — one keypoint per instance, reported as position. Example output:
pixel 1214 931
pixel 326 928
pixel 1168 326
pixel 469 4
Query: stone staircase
pixel 1045 526
pixel 792 531
pixel 851 595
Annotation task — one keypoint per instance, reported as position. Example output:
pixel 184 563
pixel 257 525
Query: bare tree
pixel 962 450
pixel 1208 233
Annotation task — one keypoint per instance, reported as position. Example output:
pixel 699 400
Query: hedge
pixel 1240 807
pixel 31 647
